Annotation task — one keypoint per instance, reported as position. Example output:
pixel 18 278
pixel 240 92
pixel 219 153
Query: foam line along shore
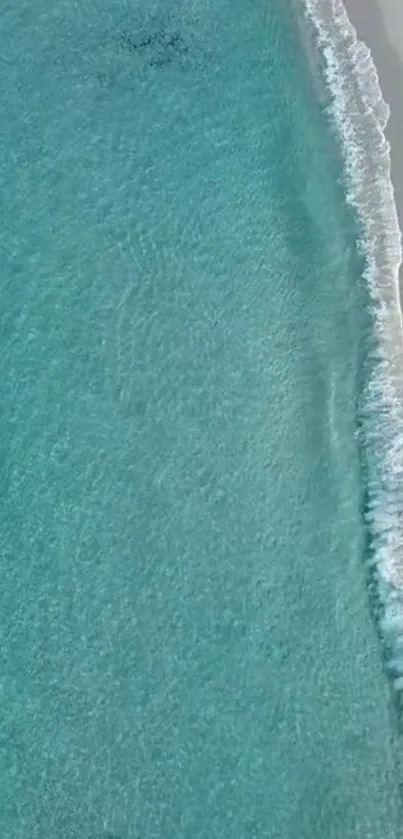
pixel 365 78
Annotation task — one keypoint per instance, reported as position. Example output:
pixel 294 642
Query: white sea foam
pixel 360 115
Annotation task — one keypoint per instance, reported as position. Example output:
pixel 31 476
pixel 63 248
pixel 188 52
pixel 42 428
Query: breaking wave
pixel 360 115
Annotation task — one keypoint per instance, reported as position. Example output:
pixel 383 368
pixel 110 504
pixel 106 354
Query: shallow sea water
pixel 187 645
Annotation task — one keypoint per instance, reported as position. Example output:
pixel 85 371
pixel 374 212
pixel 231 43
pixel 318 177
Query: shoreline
pixel 379 23
pixel 364 72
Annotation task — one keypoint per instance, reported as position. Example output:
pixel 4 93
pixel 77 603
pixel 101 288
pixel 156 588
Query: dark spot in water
pixel 160 48
pixel 130 43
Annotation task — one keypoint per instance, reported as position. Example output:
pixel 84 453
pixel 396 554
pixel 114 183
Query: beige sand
pixel 392 14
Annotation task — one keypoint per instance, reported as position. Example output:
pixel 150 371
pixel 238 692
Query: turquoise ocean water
pixel 195 609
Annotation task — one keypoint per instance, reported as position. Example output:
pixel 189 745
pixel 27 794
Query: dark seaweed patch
pixel 160 48
pixel 128 42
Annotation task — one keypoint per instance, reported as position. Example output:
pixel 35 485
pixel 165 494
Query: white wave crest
pixel 360 115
